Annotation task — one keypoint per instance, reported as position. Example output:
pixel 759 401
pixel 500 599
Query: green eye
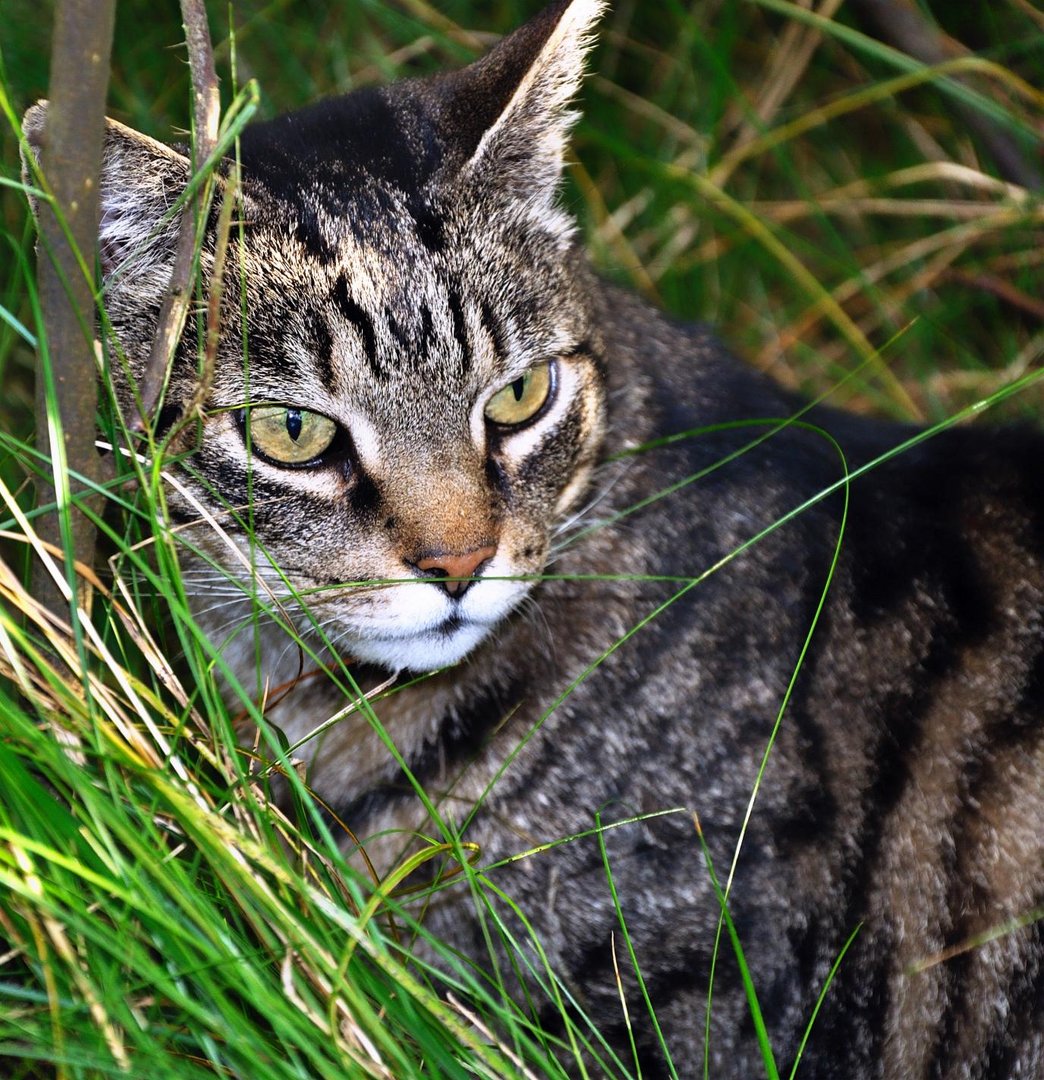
pixel 522 399
pixel 288 435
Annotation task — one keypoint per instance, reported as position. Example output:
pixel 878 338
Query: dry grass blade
pixel 485 1031
pixel 946 246
pixel 789 62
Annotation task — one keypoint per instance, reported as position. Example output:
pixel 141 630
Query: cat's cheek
pixel 573 492
pixel 493 599
pixel 550 465
pixel 587 437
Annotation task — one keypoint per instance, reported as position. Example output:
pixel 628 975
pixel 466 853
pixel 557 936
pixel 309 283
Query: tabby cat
pixel 467 455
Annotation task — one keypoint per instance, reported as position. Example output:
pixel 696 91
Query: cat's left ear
pixel 509 111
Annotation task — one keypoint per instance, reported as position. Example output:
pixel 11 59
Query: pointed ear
pixel 509 112
pixel 141 180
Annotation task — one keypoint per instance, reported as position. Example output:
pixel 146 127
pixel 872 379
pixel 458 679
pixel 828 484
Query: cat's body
pixel 921 697
pixel 405 267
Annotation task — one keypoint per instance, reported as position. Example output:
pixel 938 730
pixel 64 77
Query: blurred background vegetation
pixel 802 175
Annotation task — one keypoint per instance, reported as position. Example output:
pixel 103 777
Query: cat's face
pixel 405 415
pixel 412 402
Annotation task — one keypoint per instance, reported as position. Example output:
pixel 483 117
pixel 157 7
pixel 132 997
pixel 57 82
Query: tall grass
pixel 763 165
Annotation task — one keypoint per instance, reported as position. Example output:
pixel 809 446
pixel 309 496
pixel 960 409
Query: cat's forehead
pixel 377 274
pixel 362 166
pixel 382 323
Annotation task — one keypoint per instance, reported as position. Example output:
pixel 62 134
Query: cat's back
pixel 903 789
pixel 925 705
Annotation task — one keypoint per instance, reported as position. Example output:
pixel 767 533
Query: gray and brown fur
pixel 404 259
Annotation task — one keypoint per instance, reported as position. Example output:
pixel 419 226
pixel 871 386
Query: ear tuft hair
pixel 510 110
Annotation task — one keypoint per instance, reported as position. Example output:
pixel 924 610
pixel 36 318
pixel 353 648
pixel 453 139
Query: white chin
pixel 420 652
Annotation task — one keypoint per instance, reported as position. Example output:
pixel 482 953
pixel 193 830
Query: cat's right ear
pixel 141 181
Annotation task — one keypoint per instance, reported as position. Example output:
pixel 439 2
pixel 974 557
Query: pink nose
pixel 448 570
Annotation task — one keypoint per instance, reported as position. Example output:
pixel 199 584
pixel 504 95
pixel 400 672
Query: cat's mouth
pixel 418 629
pixel 452 624
pixel 426 650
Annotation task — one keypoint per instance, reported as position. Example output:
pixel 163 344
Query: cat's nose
pixel 447 569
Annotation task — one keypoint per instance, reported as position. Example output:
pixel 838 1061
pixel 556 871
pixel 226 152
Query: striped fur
pixel 404 260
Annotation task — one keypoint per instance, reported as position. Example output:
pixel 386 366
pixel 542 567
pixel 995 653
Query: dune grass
pixel 763 165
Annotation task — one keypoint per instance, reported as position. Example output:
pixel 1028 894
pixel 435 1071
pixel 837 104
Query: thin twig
pixel 206 114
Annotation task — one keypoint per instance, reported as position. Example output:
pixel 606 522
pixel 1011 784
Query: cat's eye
pixel 288 435
pixel 522 398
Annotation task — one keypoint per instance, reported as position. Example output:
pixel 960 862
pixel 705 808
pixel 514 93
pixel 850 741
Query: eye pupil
pixel 293 423
pixel 518 387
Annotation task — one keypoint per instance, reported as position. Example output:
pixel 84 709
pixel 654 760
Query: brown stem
pixel 71 151
pixel 206 113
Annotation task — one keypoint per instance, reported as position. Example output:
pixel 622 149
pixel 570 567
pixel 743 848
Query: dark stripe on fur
pixel 972 904
pixel 586 348
pixel 687 969
pixel 557 451
pixel 1025 1012
pixel 365 495
pixel 460 739
pixel 460 328
pixel 309 234
pixel 427 332
pixel 862 994
pixel 1030 709
pixel 320 344
pixel 398 332
pixel 362 323
pixel 168 416
pixel 430 229
pixel 494 326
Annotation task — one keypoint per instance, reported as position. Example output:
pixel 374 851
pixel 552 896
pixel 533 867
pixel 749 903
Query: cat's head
pixel 420 398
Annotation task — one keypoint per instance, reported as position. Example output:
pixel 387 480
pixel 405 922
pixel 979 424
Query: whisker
pixel 564 531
